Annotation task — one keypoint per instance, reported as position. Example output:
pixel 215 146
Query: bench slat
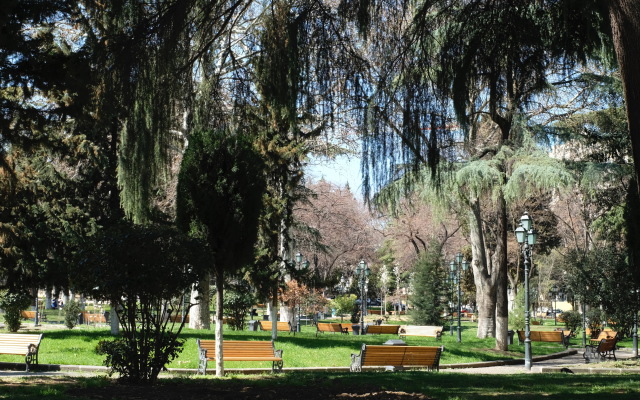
pixel 397 356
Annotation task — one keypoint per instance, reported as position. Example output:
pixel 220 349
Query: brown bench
pixel 606 348
pixel 604 334
pixel 323 327
pixel 239 350
pixel 545 336
pixel 421 330
pixel 89 318
pixel 28 314
pixel 397 356
pixel 21 344
pixel 383 329
pixel 281 326
pixel 177 318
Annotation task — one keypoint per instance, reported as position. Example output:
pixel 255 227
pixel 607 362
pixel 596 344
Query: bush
pixel 516 316
pixel 572 320
pixel 345 304
pixel 238 300
pixel 12 304
pixel 71 311
pixel 595 317
pixel 139 269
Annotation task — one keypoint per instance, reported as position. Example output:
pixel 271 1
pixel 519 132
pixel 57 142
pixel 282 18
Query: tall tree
pixel 220 190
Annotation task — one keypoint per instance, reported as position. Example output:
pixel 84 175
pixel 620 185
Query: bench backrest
pixel 347 326
pixel 329 327
pixel 18 343
pixel 421 330
pixel 543 336
pixel 607 334
pixel 280 326
pixel 93 317
pixel 400 355
pixel 238 348
pixel 28 314
pixel 385 329
pixel 606 345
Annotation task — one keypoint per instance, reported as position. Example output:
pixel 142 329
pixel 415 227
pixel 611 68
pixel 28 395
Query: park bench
pixel 397 356
pixel 606 348
pixel 92 318
pixel 239 350
pixel 28 314
pixel 420 330
pixel 281 326
pixel 383 329
pixel 604 334
pixel 21 344
pixel 177 318
pixel 323 327
pixel 348 327
pixel 545 336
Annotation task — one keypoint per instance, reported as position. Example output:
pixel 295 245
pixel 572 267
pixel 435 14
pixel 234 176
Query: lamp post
pixel 554 302
pixel 300 266
pixel 362 274
pixel 457 266
pixel 452 281
pixel 526 237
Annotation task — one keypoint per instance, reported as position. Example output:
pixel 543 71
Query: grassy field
pixel 304 349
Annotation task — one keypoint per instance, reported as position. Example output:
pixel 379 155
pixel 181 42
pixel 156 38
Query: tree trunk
pixel 273 315
pixel 114 320
pixel 500 271
pixel 219 307
pixel 485 288
pixel 624 16
pixel 199 314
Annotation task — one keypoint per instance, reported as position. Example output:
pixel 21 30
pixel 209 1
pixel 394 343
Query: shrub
pixel 238 300
pixel 140 269
pixel 516 316
pixel 345 304
pixel 71 311
pixel 572 320
pixel 594 319
pixel 12 304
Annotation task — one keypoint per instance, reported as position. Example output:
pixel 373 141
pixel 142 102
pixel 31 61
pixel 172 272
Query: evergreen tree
pixel 429 288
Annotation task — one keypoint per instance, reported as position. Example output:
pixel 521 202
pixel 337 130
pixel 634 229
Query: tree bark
pixel 500 281
pixel 114 320
pixel 485 288
pixel 624 16
pixel 199 314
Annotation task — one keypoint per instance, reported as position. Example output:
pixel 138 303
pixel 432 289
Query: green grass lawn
pixel 77 347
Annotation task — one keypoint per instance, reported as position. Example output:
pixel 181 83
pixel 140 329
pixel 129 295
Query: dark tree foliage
pixel 603 277
pixel 238 300
pixel 140 270
pixel 429 288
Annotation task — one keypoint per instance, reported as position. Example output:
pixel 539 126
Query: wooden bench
pixel 397 356
pixel 21 344
pixel 239 350
pixel 382 329
pixel 177 318
pixel 90 318
pixel 604 334
pixel 348 327
pixel 421 330
pixel 323 327
pixel 28 314
pixel 545 336
pixel 606 348
pixel 281 326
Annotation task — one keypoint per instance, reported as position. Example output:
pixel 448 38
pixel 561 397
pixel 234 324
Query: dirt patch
pixel 206 391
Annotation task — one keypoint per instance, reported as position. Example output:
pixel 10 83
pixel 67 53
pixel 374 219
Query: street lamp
pixel 362 274
pixel 526 237
pixel 457 266
pixel 554 302
pixel 300 266
pixel 452 284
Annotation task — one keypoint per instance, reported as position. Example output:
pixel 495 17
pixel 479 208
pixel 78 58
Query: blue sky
pixel 342 170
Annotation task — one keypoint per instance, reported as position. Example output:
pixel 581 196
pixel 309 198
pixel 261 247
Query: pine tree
pixel 429 288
